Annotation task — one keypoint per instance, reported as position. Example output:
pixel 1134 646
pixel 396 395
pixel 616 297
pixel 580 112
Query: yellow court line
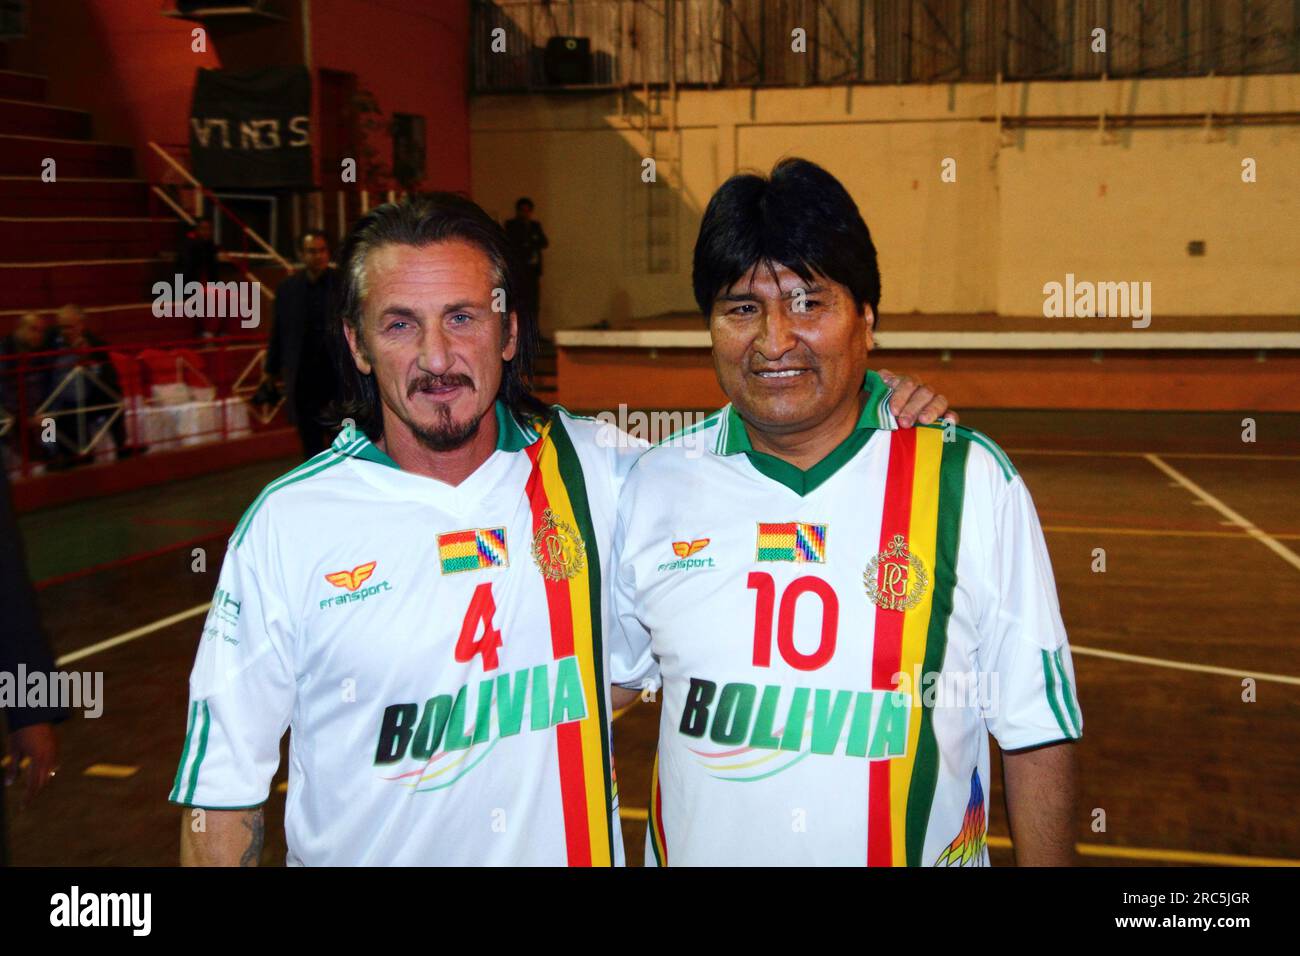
pixel 1166 856
pixel 113 771
pixel 1101 850
pixel 1163 532
pixel 1203 455
pixel 1238 672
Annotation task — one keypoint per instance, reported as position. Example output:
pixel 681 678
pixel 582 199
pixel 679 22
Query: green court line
pixel 82 534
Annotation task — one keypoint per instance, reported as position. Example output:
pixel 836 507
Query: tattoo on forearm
pixel 255 824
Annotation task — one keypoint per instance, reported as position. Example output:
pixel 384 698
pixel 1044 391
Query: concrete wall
pixel 1028 206
pixel 413 56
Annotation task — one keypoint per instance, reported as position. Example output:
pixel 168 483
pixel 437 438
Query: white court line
pixel 1263 537
pixel 1093 651
pixel 1184 666
pixel 132 635
pixel 1086 651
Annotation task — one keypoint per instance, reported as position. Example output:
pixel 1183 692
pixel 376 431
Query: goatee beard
pixel 446 435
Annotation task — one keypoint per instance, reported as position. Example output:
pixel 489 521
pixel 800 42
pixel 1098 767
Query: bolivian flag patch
pixel 792 541
pixel 472 550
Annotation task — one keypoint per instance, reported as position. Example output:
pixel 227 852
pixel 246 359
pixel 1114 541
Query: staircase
pixel 90 237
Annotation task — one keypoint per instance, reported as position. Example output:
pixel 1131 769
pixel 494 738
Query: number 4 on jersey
pixel 482 608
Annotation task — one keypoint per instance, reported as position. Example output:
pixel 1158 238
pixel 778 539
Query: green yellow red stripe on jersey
pixel 924 489
pixel 556 484
pixel 658 842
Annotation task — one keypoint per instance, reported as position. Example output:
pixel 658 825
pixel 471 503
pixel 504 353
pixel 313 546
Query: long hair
pixel 801 217
pixel 421 221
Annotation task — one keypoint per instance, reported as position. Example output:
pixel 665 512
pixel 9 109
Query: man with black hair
pixel 865 605
pixel 423 602
pixel 297 355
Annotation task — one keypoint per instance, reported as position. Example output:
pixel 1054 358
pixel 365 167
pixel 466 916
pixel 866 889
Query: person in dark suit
pixel 297 356
pixel 526 235
pixel 31 729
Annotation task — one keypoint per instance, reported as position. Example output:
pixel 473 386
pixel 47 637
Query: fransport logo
pixel 352 581
pixel 685 551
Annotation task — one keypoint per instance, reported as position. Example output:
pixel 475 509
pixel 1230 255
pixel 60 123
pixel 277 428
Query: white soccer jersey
pixel 835 645
pixel 439 653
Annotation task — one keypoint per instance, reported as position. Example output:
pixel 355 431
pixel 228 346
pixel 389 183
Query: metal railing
pixel 64 407
pixel 754 42
pixel 199 195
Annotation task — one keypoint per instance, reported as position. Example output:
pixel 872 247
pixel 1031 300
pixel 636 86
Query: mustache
pixel 438 381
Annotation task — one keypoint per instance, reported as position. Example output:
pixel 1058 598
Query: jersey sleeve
pixel 1023 639
pixel 242 687
pixel 631 662
pixel 622 452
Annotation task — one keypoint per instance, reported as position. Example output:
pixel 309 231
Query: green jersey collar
pixel 733 440
pixel 511 436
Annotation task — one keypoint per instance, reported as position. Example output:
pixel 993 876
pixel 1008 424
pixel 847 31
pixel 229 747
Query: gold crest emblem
pixel 895 579
pixel 557 548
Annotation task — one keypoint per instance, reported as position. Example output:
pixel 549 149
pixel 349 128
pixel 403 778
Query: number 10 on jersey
pixel 763 583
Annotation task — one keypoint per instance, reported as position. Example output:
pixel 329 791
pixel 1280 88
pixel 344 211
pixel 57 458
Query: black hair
pixel 421 221
pixel 523 201
pixel 800 217
pixel 313 234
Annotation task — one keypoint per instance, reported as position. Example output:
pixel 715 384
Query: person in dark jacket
pixel 101 387
pixel 526 235
pixel 30 729
pixel 297 356
pixel 199 260
pixel 27 379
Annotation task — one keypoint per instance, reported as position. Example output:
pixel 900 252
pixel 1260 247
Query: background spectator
pixel 199 260
pixel 27 379
pixel 526 235
pixel 297 356
pixel 102 387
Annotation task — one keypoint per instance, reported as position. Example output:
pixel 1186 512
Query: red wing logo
pixel 352 579
pixel 684 549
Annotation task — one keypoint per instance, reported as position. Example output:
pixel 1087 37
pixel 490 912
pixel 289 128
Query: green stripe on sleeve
pixel 205 716
pixel 185 753
pixel 1050 679
pixel 1068 693
pixel 298 474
